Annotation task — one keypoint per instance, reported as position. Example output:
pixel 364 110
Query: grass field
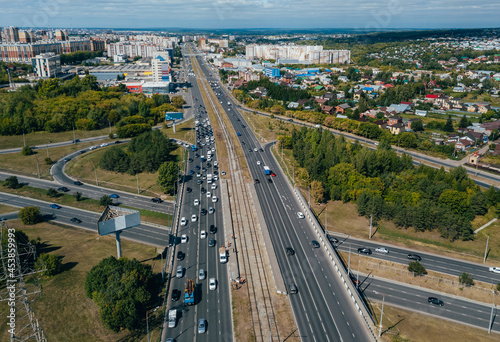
pixel 7 209
pixel 183 131
pixel 42 138
pixel 64 312
pixel 27 165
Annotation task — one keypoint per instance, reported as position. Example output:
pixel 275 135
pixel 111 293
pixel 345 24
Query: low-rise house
pixel 342 108
pixel 463 144
pixel 328 109
pixel 293 105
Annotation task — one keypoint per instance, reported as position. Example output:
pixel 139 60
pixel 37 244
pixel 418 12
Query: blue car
pixel 238 134
pixel 191 172
pixel 114 196
pixel 55 206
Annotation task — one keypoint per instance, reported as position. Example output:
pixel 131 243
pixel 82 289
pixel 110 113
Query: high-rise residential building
pixel 11 34
pixel 22 52
pixel 203 43
pixel 46 65
pixel 161 66
pixel 27 37
pixel 309 53
pixel 61 35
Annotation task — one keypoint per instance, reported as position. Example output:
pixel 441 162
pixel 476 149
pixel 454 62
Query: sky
pixel 240 14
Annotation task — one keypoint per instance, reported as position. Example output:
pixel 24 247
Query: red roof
pixel 406 103
pixel 431 96
pixel 388 85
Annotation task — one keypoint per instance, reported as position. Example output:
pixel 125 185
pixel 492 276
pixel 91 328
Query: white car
pixel 212 284
pixel 183 221
pixel 216 163
pixel 196 202
pixel 214 186
pixel 258 162
pixel 203 234
pixel 382 250
pixel 194 218
pixel 216 178
pixel 495 269
pixel 104 144
pixel 214 198
pixel 300 215
pixel 255 149
pixel 198 175
pixel 209 194
pixel 223 173
pixel 184 238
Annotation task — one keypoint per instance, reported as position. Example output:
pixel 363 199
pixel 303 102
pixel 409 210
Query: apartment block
pixel 46 65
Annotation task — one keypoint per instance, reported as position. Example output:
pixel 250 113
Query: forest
pixel 387 186
pixel 56 106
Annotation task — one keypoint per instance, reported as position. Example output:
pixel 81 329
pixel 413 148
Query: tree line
pixel 387 186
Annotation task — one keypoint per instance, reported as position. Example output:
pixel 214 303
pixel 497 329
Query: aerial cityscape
pixel 250 171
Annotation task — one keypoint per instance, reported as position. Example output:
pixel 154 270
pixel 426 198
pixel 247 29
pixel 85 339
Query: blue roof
pixel 368 88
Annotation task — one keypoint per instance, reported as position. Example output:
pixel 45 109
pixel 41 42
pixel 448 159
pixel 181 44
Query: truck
pixel 189 293
pixel 209 178
pixel 267 170
pixel 222 255
pixel 172 318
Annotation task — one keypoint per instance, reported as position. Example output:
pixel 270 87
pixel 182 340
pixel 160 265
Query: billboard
pixel 115 219
pixel 174 116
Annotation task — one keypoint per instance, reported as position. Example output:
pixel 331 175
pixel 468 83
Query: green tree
pixel 27 151
pixel 30 215
pixel 178 101
pixel 417 126
pixel 494 135
pixel 78 196
pixel 479 204
pixel 407 140
pixel 466 279
pixel 464 122
pixel 52 193
pixel 417 268
pixel 105 200
pixel 50 262
pixel 317 191
pixel 448 126
pixel 167 176
pixel 12 182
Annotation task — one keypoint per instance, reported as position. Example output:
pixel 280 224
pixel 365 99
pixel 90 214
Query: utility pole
pixel 349 262
pixel 37 166
pixel 326 218
pixel 147 319
pixel 309 200
pixel 138 188
pixel 48 156
pixel 381 317
pixel 371 219
pixel 357 276
pixel 95 171
pixel 486 249
pixel 74 136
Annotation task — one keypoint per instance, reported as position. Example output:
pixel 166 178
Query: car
pixel 211 210
pixel 382 250
pixel 223 173
pixel 196 202
pixel 63 189
pixel 191 172
pixel 201 274
pixel 290 251
pixel 183 221
pixel 315 243
pixel 92 148
pixel 435 301
pixel 494 269
pixel 333 239
pixel 176 295
pixel 180 272
pixel 55 206
pixel 255 149
pixel 114 196
pixel 216 178
pixel 203 190
pixel 202 327
pixel 300 215
pixel 214 186
pixel 209 194
pixel 118 142
pixel 76 141
pixel 256 181
pixel 199 181
pixel 104 144
pixel 238 134
pixel 273 174
pixel 211 243
pixel 203 234
pixel 194 218
pixel 156 200
pixel 216 163
pixel 180 255
pixel 189 190
pixel 212 284
pixel 292 288
pixel 76 220
pixel 214 199
pixel 197 167
pixel 412 256
pixel 77 183
pixel 184 238
pixel 249 150
pixel 364 250
pixel 258 162
pixel 269 180
pixel 261 150
pixel 190 160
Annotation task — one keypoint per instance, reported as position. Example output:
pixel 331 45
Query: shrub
pixel 30 215
pixel 417 268
pixel 27 151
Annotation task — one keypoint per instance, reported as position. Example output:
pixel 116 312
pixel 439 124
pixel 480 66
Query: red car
pixel 273 174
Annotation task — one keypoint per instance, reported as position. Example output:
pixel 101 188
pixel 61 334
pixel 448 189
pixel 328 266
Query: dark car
pixel 212 229
pixel 76 220
pixel 189 189
pixel 63 189
pixel 293 288
pixel 190 160
pixel 435 301
pixel 203 190
pixel 290 251
pixel 256 181
pixel 211 243
pixel 315 243
pixel 197 167
pixel 269 180
pixel 156 200
pixel 364 250
pixel 76 141
pixel 78 183
pixel 412 256
pixel 176 294
pixel 118 142
pixel 333 239
pixel 114 196
pixel 196 155
pixel 180 255
pixel 203 211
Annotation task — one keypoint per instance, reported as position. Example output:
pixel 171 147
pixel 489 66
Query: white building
pixel 161 66
pixel 46 65
pixel 310 53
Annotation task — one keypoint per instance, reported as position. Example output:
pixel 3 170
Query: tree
pixel 27 151
pixel 52 193
pixel 479 204
pixel 464 122
pixel 494 135
pixel 178 101
pixel 448 126
pixel 167 176
pixel 466 279
pixel 105 201
pixel 317 191
pixel 12 182
pixel 78 196
pixel 50 262
pixel 30 215
pixel 417 126
pixel 417 268
pixel 407 140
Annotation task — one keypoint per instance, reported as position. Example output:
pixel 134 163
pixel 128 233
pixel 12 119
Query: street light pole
pixel 371 219
pixel 491 316
pixel 349 262
pixel 486 249
pixel 138 188
pixel 381 317
pixel 95 171
pixel 147 319
pixel 48 156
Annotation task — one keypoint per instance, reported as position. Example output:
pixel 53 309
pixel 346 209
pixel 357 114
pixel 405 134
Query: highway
pixel 321 307
pixel 150 235
pixel 212 305
pixel 431 262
